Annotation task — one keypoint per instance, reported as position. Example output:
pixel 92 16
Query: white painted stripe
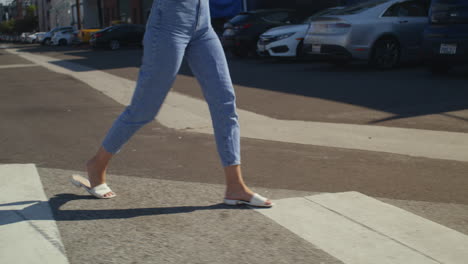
pixel 346 240
pixel 180 111
pixel 435 240
pixel 12 66
pixel 357 229
pixel 28 232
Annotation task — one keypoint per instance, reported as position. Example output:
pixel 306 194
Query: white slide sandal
pixel 257 200
pixel 98 191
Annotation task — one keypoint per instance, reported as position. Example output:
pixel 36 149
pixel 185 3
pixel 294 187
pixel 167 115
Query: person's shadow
pixel 39 210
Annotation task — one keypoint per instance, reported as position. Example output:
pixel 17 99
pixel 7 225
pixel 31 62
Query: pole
pixel 78 14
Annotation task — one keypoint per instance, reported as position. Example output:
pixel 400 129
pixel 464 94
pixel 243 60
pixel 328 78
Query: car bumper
pixel 335 46
pixel 433 51
pixel 280 48
pixel 236 41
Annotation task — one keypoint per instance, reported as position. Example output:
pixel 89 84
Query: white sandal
pixel 98 191
pixel 257 200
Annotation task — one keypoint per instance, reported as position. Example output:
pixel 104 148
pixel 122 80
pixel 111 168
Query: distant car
pixel 116 36
pixel 383 32
pixel 24 36
pixel 287 41
pixel 446 37
pixel 33 37
pixel 64 37
pixel 45 39
pixel 84 35
pixel 242 32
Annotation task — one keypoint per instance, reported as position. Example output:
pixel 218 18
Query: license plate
pixel 448 49
pixel 316 48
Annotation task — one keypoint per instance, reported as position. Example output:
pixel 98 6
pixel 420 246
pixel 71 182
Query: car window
pixel 360 7
pixel 407 9
pixel 276 17
pixel 449 11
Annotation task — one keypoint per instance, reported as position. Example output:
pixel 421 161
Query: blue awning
pixel 225 8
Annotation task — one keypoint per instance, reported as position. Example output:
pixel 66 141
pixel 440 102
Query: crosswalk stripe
pixel 427 237
pixel 358 229
pixel 10 66
pixel 28 232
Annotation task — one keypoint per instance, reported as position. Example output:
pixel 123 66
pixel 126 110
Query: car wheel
pixel 62 42
pixel 114 44
pixel 47 41
pixel 386 54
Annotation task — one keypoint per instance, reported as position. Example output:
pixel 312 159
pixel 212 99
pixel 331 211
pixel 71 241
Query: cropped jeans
pixel 178 28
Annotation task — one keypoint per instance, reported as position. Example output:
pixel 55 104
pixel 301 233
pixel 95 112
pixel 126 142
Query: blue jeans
pixel 176 28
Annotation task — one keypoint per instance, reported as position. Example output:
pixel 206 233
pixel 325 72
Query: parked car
pixel 46 38
pixel 24 36
pixel 242 32
pixel 115 36
pixel 287 41
pixel 383 32
pixel 84 35
pixel 64 37
pixel 33 37
pixel 446 36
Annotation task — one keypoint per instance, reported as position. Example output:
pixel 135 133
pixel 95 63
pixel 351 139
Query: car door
pixel 409 18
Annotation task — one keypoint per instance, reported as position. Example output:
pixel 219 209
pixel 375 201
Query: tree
pixel 29 23
pixel 7 27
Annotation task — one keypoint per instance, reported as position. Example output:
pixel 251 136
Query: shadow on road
pixel 36 209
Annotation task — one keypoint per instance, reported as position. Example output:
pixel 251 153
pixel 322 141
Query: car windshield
pixel 328 11
pixel 358 8
pixel 449 11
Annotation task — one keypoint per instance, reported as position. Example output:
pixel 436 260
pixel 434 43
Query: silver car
pixel 383 32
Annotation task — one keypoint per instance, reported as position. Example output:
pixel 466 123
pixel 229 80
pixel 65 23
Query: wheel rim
pixel 387 54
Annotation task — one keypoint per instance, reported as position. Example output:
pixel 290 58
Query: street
pixel 364 166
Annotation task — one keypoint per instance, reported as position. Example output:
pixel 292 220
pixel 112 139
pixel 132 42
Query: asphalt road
pixel 57 122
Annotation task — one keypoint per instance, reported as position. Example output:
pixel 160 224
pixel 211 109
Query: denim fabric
pixel 178 28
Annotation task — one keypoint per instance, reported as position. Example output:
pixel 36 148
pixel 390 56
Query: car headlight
pixel 282 36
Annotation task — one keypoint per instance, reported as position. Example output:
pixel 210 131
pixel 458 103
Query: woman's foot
pixel 97 174
pixel 236 189
pixel 244 194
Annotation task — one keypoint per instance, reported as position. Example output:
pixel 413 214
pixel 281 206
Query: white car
pixel 63 38
pixel 45 39
pixel 287 41
pixel 33 37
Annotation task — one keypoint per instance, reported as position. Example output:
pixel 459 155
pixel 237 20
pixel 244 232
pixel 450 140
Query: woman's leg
pixel 162 57
pixel 208 62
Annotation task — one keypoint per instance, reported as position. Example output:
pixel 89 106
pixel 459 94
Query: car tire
pixel 46 42
pixel 386 53
pixel 114 44
pixel 62 42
